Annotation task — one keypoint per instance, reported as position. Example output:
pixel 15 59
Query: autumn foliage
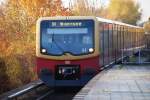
pixel 147 26
pixel 17 38
pixel 127 11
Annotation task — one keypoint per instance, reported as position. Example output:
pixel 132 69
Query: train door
pixel 115 41
pixel 132 40
pixel 123 42
pixel 119 41
pixel 117 49
pixel 110 43
pixel 113 44
pixel 138 38
pixel 127 41
pixel 121 38
pixel 130 43
pixel 101 43
pixel 106 43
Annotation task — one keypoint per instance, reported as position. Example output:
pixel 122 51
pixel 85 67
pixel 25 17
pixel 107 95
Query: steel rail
pixel 14 94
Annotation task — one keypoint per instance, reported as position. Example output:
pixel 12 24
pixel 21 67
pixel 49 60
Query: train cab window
pixel 67 36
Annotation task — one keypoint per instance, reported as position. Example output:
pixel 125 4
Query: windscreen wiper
pixel 53 40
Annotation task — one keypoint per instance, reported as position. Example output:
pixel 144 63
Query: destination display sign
pixel 66 23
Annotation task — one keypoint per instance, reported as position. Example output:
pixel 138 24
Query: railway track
pixel 30 91
pixel 62 94
pixel 38 91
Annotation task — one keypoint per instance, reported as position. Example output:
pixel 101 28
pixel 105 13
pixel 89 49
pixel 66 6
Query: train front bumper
pixel 47 77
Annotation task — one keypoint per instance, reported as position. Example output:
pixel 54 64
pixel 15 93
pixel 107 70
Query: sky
pixel 144 4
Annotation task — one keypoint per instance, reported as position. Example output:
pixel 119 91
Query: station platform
pixel 121 82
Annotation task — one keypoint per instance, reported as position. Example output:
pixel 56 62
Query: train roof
pixel 85 17
pixel 115 22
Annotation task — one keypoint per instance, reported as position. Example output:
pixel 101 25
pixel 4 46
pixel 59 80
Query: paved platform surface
pixel 122 82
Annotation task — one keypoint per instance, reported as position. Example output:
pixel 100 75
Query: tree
pixel 87 8
pixel 126 11
pixel 44 8
pixel 17 36
pixel 147 26
pixel 4 82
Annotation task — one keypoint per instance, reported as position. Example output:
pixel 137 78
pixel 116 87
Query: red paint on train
pixel 50 64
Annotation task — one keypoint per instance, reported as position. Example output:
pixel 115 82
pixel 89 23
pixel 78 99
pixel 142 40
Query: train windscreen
pixel 58 37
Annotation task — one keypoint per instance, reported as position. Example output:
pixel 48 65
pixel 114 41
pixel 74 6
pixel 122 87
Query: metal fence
pixel 141 57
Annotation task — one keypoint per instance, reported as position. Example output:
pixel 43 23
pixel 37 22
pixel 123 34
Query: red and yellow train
pixel 71 50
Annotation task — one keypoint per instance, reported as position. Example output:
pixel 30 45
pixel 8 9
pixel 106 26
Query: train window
pixel 67 36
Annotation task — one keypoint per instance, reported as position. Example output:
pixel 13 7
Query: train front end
pixel 67 50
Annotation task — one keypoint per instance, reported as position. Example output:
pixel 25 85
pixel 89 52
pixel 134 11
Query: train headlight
pixel 63 70
pixel 43 50
pixel 73 71
pixel 59 71
pixel 91 49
